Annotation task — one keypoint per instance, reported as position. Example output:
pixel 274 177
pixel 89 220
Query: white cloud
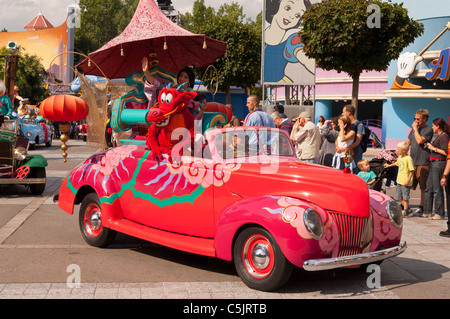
pixel 15 14
pixel 251 8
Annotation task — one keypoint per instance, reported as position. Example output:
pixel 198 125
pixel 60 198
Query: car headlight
pixel 28 134
pixel 20 153
pixel 394 212
pixel 313 223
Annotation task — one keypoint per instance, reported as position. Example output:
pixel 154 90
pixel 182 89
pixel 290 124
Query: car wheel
pixel 49 142
pixel 259 261
pixel 91 226
pixel 37 172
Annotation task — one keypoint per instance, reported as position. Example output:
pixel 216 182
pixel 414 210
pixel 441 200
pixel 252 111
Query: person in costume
pixel 284 59
pixel 16 97
pixel 5 102
pixel 23 110
pixel 186 75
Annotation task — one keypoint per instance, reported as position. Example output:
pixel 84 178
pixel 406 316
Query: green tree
pixel 200 16
pixel 101 21
pixel 242 65
pixel 340 36
pixel 29 76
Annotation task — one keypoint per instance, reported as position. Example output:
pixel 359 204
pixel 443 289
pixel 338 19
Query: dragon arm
pixel 184 98
pixel 153 142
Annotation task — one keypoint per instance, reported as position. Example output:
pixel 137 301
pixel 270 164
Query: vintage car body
pixel 37 133
pixel 16 166
pixel 259 207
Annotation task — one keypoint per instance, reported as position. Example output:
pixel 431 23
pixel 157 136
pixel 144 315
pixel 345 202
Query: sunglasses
pixel 417 119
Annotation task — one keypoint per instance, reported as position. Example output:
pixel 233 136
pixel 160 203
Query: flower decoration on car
pixel 383 228
pixel 203 172
pixel 292 210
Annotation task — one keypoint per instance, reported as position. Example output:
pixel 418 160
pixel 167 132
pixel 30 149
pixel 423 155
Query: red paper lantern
pixel 64 108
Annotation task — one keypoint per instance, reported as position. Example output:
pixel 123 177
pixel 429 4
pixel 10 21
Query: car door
pixel 173 197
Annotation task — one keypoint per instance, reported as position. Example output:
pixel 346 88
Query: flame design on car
pixel 163 184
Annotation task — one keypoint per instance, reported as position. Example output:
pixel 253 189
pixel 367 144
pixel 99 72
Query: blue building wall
pixel 323 107
pixel 398 113
pixel 238 100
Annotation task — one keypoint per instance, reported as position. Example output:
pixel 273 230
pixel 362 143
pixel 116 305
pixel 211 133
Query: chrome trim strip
pixel 367 258
pixel 15 181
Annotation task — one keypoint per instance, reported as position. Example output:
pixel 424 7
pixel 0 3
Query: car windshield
pixel 245 142
pixel 9 126
pixel 29 121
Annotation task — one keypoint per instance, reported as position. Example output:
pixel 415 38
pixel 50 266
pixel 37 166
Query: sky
pixel 15 14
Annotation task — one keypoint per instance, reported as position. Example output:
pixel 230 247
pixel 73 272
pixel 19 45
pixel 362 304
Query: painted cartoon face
pixel 289 13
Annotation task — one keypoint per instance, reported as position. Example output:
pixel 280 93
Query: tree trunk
pixel 228 95
pixel 355 93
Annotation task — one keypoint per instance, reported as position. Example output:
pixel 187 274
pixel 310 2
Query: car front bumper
pixel 354 260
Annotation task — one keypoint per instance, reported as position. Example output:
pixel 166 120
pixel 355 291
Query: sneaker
pixel 436 217
pixel 407 213
pixel 418 212
pixel 445 233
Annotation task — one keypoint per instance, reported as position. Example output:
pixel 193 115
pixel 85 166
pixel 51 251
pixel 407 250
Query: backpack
pixel 366 136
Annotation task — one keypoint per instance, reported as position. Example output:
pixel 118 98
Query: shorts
pixel 420 176
pixel 402 192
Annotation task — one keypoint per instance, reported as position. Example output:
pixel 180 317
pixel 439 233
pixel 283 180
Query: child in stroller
pixel 390 174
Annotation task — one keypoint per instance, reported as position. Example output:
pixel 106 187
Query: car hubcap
pixel 93 221
pixel 258 256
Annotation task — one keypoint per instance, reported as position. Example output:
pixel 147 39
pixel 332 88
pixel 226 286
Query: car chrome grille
pixel 5 153
pixel 351 233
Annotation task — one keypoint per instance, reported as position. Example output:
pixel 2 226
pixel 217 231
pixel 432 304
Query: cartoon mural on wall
pixel 284 60
pixel 407 62
pixel 46 44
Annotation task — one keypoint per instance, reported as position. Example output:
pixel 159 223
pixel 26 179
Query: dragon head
pixel 171 104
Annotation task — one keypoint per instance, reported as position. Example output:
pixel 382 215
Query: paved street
pixel 40 244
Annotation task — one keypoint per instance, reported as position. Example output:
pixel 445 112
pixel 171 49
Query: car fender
pixel 385 233
pixel 36 161
pixel 86 179
pixel 283 218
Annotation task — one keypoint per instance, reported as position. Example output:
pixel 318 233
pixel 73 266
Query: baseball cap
pixel 305 115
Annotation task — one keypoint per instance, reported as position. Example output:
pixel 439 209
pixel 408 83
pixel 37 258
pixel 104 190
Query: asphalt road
pixel 43 256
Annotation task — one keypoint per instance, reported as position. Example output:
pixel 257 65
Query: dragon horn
pixel 169 85
pixel 181 86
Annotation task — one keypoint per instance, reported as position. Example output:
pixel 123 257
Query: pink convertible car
pixel 243 198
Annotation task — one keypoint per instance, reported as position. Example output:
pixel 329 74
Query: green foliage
pixel 336 34
pixel 101 21
pixel 29 76
pixel 242 65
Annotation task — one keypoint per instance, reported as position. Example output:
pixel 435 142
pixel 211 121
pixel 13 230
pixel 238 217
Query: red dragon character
pixel 171 112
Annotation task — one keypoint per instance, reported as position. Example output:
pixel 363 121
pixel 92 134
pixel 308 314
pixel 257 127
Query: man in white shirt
pixel 307 137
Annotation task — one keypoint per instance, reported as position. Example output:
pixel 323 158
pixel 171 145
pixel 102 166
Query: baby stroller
pixel 384 175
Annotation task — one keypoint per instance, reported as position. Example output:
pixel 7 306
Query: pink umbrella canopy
pixel 150 32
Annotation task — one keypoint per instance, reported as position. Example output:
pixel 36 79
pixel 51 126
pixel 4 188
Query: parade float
pixel 235 193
